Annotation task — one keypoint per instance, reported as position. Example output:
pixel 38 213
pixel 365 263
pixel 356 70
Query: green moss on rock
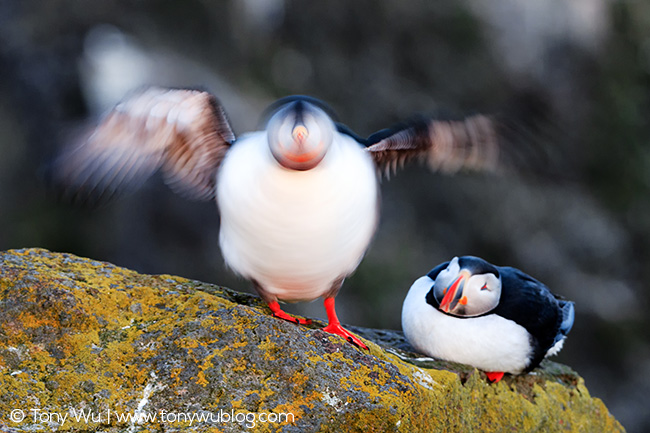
pixel 81 335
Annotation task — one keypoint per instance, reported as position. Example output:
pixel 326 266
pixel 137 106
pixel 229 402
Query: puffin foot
pixel 494 376
pixel 336 328
pixel 277 312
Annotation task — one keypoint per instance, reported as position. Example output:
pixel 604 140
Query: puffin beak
pixel 453 294
pixel 299 134
pixel 298 153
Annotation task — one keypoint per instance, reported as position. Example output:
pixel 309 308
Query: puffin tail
pixel 568 315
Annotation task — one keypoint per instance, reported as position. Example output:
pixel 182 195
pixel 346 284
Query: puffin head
pixel 300 132
pixel 467 287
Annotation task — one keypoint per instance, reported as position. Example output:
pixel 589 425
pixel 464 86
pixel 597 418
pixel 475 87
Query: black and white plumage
pixel 497 319
pixel 298 201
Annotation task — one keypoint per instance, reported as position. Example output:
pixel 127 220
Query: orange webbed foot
pixel 277 312
pixel 336 328
pixel 494 376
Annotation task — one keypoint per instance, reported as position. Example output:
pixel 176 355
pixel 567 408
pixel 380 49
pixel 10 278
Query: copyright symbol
pixel 17 415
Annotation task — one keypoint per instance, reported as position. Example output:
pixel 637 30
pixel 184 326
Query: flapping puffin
pixel 497 319
pixel 298 201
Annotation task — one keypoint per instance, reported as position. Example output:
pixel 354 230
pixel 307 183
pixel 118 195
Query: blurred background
pixel 582 66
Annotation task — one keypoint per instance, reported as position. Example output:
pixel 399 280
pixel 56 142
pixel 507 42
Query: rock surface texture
pixel 88 346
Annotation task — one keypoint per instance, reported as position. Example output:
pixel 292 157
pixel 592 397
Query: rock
pixel 89 346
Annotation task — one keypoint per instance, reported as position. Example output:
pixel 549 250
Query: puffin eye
pixel 485 287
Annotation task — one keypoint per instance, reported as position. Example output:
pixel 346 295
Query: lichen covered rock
pixel 88 346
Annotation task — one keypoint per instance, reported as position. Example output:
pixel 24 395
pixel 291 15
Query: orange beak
pixel 452 293
pixel 299 134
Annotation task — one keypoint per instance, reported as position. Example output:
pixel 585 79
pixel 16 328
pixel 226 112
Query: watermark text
pixel 110 417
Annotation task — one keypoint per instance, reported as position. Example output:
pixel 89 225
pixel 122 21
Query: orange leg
pixel 335 327
pixel 277 312
pixel 494 376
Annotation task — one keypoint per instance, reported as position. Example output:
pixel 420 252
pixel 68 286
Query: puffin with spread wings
pixel 298 201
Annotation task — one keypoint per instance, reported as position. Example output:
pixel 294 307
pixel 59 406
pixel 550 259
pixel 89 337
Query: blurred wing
pixel 185 132
pixel 446 146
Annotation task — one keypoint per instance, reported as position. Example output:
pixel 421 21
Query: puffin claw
pixel 277 312
pixel 292 319
pixel 335 328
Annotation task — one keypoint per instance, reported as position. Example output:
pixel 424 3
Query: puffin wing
pixel 447 146
pixel 184 132
pixel 531 304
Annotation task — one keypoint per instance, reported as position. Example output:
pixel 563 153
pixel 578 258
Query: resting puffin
pixel 495 318
pixel 298 201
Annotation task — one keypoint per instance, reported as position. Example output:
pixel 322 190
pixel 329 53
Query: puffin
pixel 298 200
pixel 497 319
